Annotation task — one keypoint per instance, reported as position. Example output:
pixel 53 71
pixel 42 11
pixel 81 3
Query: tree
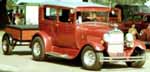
pixel 129 2
pixel 3 14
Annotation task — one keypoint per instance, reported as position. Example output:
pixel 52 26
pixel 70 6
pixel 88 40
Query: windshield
pixel 91 16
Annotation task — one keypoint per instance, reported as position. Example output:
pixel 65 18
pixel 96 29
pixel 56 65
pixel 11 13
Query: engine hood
pixel 95 27
pixel 94 31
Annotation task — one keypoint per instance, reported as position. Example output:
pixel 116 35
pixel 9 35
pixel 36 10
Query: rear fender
pixel 46 39
pixel 6 34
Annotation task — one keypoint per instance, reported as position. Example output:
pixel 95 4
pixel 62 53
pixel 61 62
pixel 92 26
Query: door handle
pixel 57 25
pixel 56 28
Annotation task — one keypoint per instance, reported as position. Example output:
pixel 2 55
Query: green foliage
pixel 11 3
pixel 107 2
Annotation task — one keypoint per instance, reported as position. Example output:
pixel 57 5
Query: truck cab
pixel 82 30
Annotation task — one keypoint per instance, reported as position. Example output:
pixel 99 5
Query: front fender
pixel 97 46
pixel 46 39
pixel 137 44
pixel 140 44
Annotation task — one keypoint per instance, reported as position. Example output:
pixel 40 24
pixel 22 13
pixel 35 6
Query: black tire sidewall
pixel 9 47
pixel 137 64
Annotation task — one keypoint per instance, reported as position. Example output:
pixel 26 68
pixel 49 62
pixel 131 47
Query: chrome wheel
pixel 4 45
pixel 89 58
pixel 36 49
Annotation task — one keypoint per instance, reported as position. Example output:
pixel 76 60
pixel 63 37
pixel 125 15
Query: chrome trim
pixel 133 58
pixel 89 58
pixel 147 42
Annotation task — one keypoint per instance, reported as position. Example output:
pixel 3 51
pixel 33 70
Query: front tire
pixel 6 45
pixel 38 49
pixel 90 59
pixel 137 64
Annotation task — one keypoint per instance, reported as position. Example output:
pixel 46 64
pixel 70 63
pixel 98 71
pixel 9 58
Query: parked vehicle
pixel 132 14
pixel 20 33
pixel 145 36
pixel 80 30
pixel 141 21
pixel 17 35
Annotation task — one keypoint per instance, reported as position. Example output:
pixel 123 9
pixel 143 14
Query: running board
pixel 65 56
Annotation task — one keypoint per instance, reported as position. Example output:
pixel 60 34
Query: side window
pixel 64 15
pixel 50 13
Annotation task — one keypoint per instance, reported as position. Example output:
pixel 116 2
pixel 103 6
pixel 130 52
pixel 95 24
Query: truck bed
pixel 24 27
pixel 22 32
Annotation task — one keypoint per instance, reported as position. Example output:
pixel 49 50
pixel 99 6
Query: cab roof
pixel 60 3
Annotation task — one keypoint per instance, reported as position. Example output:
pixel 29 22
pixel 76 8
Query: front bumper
pixel 132 58
pixel 147 42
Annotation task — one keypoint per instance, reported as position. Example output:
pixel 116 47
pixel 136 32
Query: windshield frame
pixel 81 15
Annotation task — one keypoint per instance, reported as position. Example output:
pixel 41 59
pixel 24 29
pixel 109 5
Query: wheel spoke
pixel 36 49
pixel 89 58
pixel 4 45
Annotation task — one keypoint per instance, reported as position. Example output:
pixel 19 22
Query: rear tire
pixel 6 45
pixel 90 59
pixel 38 51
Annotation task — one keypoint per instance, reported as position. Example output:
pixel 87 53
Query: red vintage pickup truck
pixel 80 30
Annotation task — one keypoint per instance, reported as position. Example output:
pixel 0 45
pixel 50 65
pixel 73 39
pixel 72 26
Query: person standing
pixel 133 31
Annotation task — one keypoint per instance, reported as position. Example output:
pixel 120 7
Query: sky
pixel 147 3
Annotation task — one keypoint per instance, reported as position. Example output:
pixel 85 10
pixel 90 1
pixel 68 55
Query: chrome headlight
pixel 129 40
pixel 141 33
pixel 129 37
pixel 106 37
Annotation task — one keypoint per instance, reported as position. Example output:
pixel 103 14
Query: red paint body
pixel 70 38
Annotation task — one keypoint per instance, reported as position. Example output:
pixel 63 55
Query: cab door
pixel 65 29
pixel 48 19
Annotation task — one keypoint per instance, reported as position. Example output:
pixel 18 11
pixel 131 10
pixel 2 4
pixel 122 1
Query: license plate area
pixel 115 50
